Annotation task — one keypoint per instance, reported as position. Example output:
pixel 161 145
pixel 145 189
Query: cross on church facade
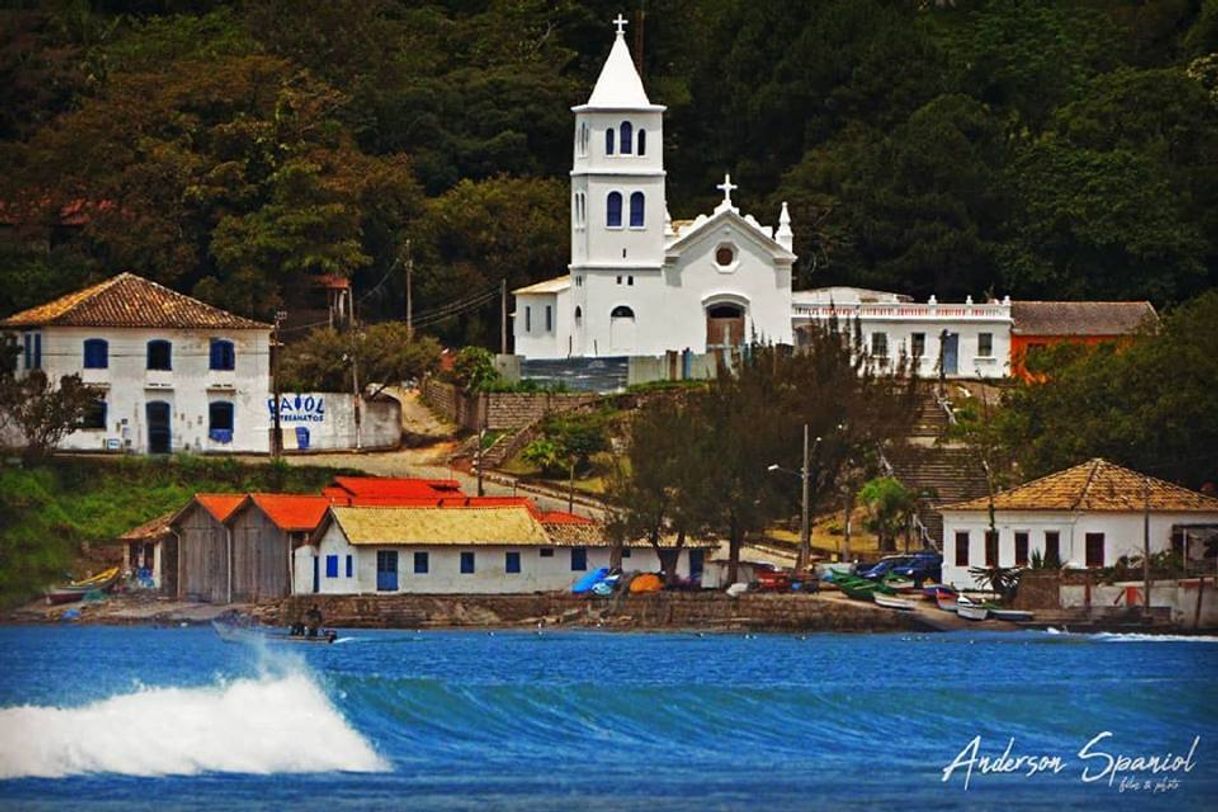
pixel 727 186
pixel 621 24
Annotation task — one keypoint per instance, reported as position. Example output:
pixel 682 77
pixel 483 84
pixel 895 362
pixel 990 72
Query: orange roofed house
pixel 1035 325
pixel 171 372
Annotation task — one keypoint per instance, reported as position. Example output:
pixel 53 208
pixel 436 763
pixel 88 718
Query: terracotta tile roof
pixel 1079 318
pixel 392 487
pixel 292 512
pixel 472 526
pixel 219 505
pixel 566 534
pixel 1096 485
pixel 128 300
pixel 149 530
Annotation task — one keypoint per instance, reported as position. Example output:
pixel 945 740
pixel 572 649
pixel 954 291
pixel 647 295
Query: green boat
pixel 861 589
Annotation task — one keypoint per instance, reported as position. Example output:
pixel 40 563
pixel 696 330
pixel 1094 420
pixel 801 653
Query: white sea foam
pixel 1139 637
pixel 273 724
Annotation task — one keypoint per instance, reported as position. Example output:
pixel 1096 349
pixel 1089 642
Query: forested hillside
pixel 1064 149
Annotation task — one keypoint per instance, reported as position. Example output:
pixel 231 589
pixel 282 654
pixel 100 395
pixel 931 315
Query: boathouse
pixel 266 528
pixel 205 547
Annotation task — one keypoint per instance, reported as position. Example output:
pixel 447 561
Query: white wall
pixel 444 576
pixel 1123 536
pixel 529 332
pixel 329 418
pixel 189 387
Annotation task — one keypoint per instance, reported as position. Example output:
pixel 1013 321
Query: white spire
pixel 785 236
pixel 619 84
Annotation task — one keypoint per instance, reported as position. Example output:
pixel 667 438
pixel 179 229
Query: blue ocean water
pixel 122 718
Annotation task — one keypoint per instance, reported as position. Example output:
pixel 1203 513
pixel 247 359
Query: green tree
pixel 474 369
pixel 41 411
pixel 381 354
pixel 890 507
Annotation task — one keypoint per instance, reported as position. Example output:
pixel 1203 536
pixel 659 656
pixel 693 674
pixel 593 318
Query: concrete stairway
pixel 940 475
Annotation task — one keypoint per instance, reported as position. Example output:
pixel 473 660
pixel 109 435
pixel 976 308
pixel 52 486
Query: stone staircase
pixel 940 475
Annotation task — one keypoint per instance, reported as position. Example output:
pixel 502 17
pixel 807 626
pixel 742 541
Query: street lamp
pixel 805 475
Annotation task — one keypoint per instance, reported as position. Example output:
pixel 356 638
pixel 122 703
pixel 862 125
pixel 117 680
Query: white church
pixel 640 284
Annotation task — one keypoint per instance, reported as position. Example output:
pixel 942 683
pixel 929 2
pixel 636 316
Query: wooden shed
pixel 266 528
pixel 150 554
pixel 205 547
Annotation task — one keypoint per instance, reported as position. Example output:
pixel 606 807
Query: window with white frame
pixel 879 345
pixel 985 345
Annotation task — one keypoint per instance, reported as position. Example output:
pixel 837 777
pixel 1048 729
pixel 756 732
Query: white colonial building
pixel 171 373
pixel 640 284
pixel 966 340
pixel 1087 516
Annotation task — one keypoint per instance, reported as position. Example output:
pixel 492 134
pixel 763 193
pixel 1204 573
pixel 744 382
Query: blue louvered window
pixel 97 353
pixel 511 562
pixel 636 210
pixel 467 563
pixel 331 566
pixel 223 356
pixel 613 210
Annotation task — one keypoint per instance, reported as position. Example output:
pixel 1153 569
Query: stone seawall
pixel 671 610
pixel 499 411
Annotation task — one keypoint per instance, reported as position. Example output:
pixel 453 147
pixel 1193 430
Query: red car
pixel 769 578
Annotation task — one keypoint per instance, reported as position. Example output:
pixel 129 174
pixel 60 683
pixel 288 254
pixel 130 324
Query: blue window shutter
pixel 96 354
pixel 350 565
pixel 28 341
pixel 331 566
pixel 223 356
pixel 467 563
pixel 579 559
pixel 636 209
pixel 420 563
pixel 511 562
pixel 613 210
pixel 37 350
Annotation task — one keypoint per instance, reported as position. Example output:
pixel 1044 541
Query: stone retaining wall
pixel 707 610
pixel 499 411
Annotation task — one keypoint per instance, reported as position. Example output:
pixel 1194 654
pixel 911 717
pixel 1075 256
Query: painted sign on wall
pixel 299 408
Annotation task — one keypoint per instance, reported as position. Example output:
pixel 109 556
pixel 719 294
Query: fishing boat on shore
pixel 946 601
pixel 969 610
pixel 76 590
pixel 1009 615
pixel 889 602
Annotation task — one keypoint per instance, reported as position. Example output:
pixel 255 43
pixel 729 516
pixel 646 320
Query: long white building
pixel 641 284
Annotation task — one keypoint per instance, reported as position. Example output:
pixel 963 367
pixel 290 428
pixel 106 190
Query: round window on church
pixel 725 255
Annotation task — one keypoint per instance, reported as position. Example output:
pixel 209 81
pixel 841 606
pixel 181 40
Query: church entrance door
pixel 621 331
pixel 724 326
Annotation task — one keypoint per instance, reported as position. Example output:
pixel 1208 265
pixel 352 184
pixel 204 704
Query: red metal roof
pixel 292 511
pixel 220 505
pixel 394 487
pixel 562 517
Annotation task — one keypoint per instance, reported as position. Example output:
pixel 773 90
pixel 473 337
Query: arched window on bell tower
pixel 627 139
pixel 609 141
pixel 613 209
pixel 641 143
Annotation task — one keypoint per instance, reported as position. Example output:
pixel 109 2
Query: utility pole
pixel 409 291
pixel 355 392
pixel 1146 546
pixel 805 535
pixel 277 431
pixel 503 316
pixel 478 458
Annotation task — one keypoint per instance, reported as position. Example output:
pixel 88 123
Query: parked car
pixel 769 578
pixel 885 566
pixel 925 565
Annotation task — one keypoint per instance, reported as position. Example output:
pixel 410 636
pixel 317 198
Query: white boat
pixel 889 602
pixel 946 602
pixel 1012 615
pixel 969 610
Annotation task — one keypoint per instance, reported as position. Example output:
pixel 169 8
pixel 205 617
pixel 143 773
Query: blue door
pixel 387 571
pixel 951 353
pixel 696 558
pixel 160 436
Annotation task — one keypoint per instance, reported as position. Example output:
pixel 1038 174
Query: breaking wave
pixel 270 724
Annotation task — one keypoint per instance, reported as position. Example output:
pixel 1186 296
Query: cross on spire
pixel 727 186
pixel 621 23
